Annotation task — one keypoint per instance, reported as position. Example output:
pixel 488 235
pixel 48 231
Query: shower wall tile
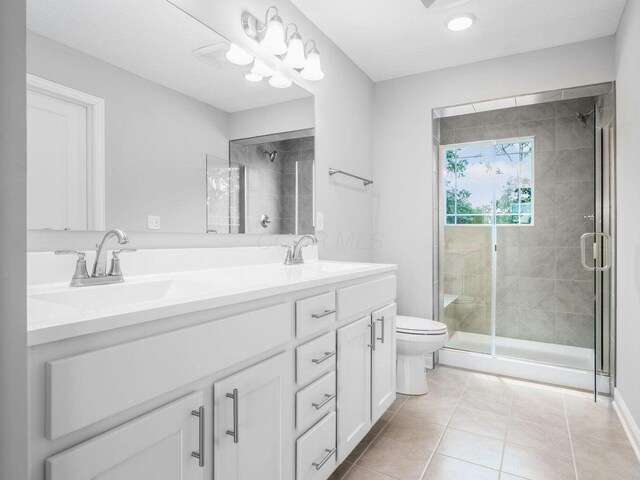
pixel 544 133
pixel 569 265
pixel 542 291
pixel 571 134
pixel 541 233
pixel 575 297
pixel 541 111
pixel 499 132
pixel 576 197
pixel 501 116
pixel 569 229
pixel 537 262
pixel 507 291
pixel 464 135
pixel 537 293
pixel 544 199
pixel 575 165
pixel 544 166
pixel 575 330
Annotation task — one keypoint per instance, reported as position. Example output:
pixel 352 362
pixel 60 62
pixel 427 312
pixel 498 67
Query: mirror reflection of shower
pixel 583 118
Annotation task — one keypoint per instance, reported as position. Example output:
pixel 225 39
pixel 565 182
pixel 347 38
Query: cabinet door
pixel 253 424
pixel 156 446
pixel 354 385
pixel 383 369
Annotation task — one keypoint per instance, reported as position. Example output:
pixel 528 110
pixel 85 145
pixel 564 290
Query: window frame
pixel 493 143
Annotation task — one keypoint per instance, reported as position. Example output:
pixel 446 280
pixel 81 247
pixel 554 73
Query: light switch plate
pixel 153 222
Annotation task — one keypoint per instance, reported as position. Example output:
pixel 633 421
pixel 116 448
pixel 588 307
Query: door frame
pixel 95 143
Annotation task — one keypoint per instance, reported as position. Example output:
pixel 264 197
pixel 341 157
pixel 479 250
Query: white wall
pixel 628 198
pixel 402 145
pixel 14 449
pixel 343 121
pixel 281 117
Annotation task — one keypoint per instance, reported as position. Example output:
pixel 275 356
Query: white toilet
pixel 415 338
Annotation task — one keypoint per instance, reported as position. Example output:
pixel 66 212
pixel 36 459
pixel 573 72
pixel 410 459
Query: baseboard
pixel 629 424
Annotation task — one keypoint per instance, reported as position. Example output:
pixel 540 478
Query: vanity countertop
pixel 57 311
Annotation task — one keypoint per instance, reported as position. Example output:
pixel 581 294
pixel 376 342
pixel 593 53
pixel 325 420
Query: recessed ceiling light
pixel 461 22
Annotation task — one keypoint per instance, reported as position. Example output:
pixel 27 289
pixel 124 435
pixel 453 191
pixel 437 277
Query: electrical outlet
pixel 319 222
pixel 153 222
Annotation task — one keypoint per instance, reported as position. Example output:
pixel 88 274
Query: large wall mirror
pixel 136 120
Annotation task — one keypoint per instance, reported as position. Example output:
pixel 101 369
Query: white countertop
pixel 57 311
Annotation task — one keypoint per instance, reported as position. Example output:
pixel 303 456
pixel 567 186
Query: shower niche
pixel 267 186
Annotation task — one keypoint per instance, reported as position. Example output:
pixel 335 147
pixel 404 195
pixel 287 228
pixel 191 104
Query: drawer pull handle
pixel 328 398
pixel 382 326
pixel 327 356
pixel 323 314
pixel 234 432
pixel 326 458
pixel 201 423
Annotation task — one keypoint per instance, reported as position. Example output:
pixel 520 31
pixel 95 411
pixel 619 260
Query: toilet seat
pixel 419 326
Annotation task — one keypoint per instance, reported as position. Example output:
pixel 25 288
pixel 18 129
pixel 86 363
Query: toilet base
pixel 411 375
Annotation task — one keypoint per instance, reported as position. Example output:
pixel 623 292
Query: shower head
pixel 583 118
pixel 272 155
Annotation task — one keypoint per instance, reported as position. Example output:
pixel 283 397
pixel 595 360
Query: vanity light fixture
pixel 312 69
pixel 261 68
pixel 279 81
pixel 461 22
pixel 273 40
pixel 289 48
pixel 238 56
pixel 295 52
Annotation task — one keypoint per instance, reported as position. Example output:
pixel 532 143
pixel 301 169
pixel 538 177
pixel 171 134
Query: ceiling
pixel 394 38
pixel 155 40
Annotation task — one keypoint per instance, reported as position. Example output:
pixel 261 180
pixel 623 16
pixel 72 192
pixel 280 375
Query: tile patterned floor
pixel 475 427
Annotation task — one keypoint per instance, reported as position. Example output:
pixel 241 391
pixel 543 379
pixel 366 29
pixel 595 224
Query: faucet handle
pixel 71 252
pixel 123 250
pixel 81 272
pixel 115 270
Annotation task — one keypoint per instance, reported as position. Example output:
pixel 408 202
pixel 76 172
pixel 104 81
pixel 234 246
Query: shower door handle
pixel 595 251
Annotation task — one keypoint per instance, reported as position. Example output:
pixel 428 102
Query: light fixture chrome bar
pixel 333 171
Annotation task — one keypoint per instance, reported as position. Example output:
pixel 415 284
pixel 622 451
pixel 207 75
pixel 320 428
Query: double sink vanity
pixel 208 363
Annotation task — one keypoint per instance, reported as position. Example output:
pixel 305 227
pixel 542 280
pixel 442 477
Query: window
pixel 490 183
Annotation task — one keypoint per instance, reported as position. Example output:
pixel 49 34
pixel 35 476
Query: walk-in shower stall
pixel 525 251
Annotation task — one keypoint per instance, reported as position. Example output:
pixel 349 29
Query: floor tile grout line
pixel 435 448
pixel 504 440
pixel 573 455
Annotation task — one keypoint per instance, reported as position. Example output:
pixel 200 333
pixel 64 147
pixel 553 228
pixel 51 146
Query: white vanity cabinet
pixel 253 422
pixel 276 388
pixel 162 445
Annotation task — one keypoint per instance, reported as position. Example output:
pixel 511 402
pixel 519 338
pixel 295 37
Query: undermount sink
pixel 117 295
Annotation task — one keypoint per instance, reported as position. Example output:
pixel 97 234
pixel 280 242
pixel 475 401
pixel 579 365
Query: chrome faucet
pixel 294 251
pixel 99 276
pixel 100 264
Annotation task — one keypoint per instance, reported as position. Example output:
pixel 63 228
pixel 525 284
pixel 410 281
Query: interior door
pixel 354 384
pixel 253 422
pixel 56 163
pixel 156 446
pixel 383 361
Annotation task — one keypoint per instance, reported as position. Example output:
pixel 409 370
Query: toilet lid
pixel 419 326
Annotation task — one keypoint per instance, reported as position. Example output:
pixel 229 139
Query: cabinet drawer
pixel 315 401
pixel 315 313
pixel 361 299
pixel 316 451
pixel 315 358
pixel 92 386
